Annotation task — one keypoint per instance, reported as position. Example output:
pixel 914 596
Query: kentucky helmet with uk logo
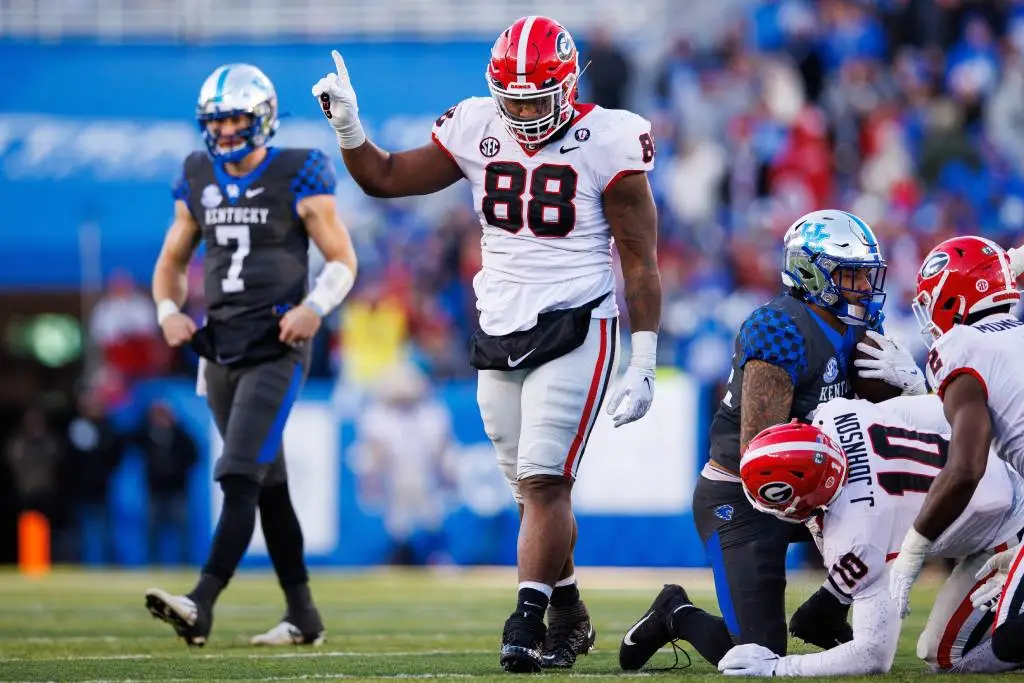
pixel 792 470
pixel 960 277
pixel 532 76
pixel 237 90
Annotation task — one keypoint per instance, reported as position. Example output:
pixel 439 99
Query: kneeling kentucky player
pixel 255 208
pixel 792 354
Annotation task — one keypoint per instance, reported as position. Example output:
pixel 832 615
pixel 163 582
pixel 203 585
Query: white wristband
pixel 332 286
pixel 914 543
pixel 165 309
pixel 645 349
pixel 351 135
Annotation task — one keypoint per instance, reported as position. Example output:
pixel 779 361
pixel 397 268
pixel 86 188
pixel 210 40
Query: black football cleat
pixel 521 644
pixel 189 620
pixel 652 631
pixel 570 634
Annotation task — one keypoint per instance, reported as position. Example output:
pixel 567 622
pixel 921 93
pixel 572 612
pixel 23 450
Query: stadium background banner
pixel 111 153
pixel 632 498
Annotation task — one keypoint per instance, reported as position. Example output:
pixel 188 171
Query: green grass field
pixel 92 626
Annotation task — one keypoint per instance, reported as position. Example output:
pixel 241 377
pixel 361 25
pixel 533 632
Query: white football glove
pixel 1016 255
pixel 337 99
pixel 890 363
pixel 906 568
pixel 986 597
pixel 749 659
pixel 634 394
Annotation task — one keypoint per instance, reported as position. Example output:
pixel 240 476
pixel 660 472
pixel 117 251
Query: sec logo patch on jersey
pixel 831 370
pixel 212 197
pixel 489 147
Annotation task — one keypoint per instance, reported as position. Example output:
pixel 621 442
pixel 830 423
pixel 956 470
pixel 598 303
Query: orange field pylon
pixel 33 543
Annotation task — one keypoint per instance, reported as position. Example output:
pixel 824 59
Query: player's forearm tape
pixel 165 309
pixel 645 349
pixel 332 286
pixel 351 134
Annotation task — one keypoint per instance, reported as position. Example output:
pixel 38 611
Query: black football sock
pixel 565 596
pixel 283 532
pixel 532 603
pixel 231 539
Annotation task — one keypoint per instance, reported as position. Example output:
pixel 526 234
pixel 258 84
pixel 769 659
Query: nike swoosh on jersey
pixel 563 150
pixel 628 638
pixel 249 194
pixel 517 361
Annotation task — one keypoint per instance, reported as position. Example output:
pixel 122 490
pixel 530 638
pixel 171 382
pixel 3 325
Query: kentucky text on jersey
pixel 998 326
pixel 831 391
pixel 851 438
pixel 249 215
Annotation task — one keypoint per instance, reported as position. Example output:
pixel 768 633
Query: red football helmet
pixel 961 276
pixel 792 470
pixel 532 75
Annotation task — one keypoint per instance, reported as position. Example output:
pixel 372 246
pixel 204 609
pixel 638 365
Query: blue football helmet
pixel 822 244
pixel 232 90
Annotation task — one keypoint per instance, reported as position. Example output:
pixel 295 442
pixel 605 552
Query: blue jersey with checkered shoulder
pixel 256 244
pixel 787 333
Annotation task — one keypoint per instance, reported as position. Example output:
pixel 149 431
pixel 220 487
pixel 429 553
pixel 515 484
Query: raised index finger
pixel 339 65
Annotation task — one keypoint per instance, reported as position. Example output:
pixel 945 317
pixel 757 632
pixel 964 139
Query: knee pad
pixel 540 457
pixel 240 488
pixel 509 467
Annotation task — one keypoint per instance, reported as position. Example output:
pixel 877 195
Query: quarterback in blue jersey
pixel 256 209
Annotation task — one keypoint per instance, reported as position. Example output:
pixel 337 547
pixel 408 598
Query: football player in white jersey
pixel 857 477
pixel 965 291
pixel 554 182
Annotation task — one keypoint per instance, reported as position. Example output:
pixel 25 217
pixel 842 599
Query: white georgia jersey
pixel 992 350
pixel 894 450
pixel 546 243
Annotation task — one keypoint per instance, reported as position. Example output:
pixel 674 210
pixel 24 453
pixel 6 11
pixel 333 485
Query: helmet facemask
pixel 961 279
pixel 237 90
pixel 829 281
pixel 554 104
pixel 253 136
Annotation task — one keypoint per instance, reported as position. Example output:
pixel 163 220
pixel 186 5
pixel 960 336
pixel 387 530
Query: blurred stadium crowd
pixel 909 113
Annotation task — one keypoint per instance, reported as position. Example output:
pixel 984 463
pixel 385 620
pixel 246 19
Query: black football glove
pixel 822 621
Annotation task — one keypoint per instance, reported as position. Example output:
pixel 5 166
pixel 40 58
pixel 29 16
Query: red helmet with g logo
pixel 792 470
pixel 961 276
pixel 532 76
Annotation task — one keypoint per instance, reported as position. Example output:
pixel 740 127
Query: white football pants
pixel 539 419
